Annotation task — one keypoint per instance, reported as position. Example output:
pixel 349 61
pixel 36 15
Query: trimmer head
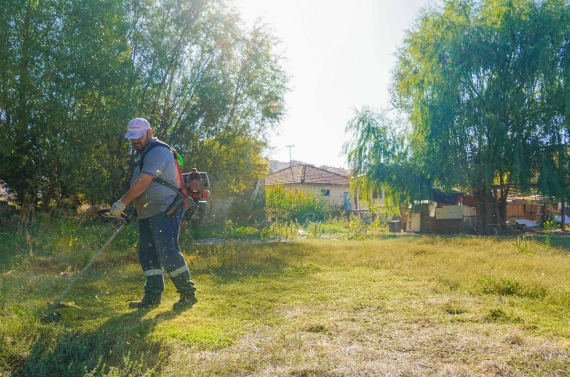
pixel 54 316
pixel 50 317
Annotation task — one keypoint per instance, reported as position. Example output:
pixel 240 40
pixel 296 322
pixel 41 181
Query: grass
pixel 391 305
pixel 340 228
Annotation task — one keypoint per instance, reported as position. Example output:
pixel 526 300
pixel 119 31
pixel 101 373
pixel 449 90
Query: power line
pixel 290 160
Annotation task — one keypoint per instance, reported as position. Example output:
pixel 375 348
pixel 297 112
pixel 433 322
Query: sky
pixel 339 55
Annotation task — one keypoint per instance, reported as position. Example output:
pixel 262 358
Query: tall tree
pixel 475 78
pixel 75 71
pixel 380 155
pixel 61 60
pixel 210 88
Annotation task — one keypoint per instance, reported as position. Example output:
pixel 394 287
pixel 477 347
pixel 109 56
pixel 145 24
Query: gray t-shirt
pixel 158 162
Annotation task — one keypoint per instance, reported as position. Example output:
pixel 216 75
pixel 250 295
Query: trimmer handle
pixel 123 219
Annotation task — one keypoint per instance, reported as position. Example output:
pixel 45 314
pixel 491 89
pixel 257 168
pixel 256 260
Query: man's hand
pixel 117 208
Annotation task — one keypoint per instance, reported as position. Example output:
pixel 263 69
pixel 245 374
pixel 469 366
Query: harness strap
pixel 151 146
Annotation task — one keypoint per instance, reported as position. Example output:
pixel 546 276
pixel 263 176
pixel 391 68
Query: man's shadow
pixel 120 343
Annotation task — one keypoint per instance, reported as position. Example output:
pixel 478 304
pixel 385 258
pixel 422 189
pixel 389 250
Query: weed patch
pixel 523 245
pixel 502 316
pixel 316 328
pixel 452 285
pixel 506 287
pixel 453 308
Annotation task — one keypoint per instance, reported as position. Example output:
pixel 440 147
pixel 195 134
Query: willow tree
pixel 380 156
pixel 484 86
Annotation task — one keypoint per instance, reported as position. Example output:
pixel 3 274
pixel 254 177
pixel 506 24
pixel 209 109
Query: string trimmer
pixel 52 315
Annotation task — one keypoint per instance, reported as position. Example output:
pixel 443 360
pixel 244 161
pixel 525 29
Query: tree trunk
pixel 502 208
pixel 491 210
pixel 480 203
pixel 563 213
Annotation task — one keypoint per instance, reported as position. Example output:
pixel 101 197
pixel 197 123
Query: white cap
pixel 136 128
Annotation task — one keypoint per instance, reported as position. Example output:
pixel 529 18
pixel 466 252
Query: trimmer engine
pixel 197 184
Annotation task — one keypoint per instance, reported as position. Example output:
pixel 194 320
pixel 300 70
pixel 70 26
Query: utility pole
pixel 290 161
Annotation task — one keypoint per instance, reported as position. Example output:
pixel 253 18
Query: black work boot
pixel 186 301
pixel 187 290
pixel 144 303
pixel 151 299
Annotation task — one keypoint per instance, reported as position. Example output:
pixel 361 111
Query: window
pixel 325 192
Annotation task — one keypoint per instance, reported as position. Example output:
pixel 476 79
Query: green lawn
pixel 393 306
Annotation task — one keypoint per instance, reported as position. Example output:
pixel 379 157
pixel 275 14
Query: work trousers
pixel 158 250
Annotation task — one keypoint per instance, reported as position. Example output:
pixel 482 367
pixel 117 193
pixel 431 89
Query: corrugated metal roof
pixel 306 174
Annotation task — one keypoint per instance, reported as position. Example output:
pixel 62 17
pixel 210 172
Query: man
pixel 158 235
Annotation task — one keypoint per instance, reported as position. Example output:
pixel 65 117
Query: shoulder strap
pixel 170 185
pixel 151 146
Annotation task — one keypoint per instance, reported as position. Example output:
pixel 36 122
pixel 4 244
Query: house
pixel 332 169
pixel 331 185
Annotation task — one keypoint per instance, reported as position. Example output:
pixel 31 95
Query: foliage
pixel 549 226
pixel 478 81
pixel 351 227
pixel 346 228
pixel 522 245
pixel 380 155
pixel 295 205
pixel 281 230
pixel 484 87
pixel 75 71
pixel 61 63
pixel 507 287
pixel 315 229
pixel 227 231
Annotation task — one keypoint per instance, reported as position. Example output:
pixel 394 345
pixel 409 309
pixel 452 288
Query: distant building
pixel 275 165
pixel 331 185
pixel 335 170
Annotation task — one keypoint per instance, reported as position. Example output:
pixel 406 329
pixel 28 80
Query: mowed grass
pixel 394 306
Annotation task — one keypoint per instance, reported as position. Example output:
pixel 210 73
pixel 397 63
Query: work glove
pixel 117 208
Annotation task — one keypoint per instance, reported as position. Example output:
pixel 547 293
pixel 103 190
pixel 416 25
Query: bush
pixel 295 205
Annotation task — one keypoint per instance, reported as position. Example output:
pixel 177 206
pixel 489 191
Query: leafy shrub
pixel 357 229
pixel 244 232
pixel 549 227
pixel 522 245
pixel 295 205
pixel 281 230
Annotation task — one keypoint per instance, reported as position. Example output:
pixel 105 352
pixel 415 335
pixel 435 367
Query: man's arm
pixel 139 186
